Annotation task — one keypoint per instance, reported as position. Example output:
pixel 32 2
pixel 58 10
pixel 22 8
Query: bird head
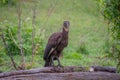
pixel 66 25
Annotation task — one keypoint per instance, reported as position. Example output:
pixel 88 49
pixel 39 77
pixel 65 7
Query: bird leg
pixel 59 64
pixel 52 61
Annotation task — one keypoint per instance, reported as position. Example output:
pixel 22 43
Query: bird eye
pixel 66 23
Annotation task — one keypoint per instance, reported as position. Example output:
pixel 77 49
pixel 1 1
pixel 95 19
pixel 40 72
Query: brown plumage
pixel 56 43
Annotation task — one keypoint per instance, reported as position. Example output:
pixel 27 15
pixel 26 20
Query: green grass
pixel 86 24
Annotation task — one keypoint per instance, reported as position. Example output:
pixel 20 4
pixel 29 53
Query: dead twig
pixel 33 32
pixel 19 35
pixel 8 52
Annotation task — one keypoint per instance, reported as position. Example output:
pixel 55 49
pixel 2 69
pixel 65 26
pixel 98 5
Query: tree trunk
pixel 57 73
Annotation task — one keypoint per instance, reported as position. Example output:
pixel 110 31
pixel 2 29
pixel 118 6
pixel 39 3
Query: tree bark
pixel 58 73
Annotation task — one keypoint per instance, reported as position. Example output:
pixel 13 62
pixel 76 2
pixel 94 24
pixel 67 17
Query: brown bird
pixel 56 43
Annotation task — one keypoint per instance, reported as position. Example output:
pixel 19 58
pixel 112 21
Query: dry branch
pixel 8 52
pixel 33 32
pixel 19 36
pixel 50 11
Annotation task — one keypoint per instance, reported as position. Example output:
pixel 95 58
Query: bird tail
pixel 47 63
pixel 47 51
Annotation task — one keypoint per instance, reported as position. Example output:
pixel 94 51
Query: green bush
pixel 111 11
pixel 11 37
pixel 10 2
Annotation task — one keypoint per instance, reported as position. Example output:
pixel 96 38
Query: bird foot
pixel 58 68
pixel 61 66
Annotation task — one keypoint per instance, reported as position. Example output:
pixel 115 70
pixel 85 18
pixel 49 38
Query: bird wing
pixel 53 42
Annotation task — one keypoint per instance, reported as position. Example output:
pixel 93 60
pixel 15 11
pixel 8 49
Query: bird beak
pixel 66 29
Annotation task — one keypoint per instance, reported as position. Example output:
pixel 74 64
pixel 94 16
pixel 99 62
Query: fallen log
pixel 58 73
pixel 104 69
pixel 45 70
pixel 66 76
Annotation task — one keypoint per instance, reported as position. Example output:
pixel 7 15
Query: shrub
pixel 10 34
pixel 111 11
pixel 10 2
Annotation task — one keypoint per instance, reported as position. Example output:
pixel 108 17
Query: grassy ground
pixel 87 26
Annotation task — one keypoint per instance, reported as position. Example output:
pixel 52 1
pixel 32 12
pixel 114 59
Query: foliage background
pixel 111 11
pixel 87 37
